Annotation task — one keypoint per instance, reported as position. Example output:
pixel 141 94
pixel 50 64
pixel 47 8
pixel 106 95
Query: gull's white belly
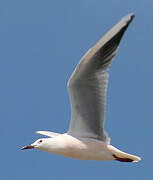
pixel 79 148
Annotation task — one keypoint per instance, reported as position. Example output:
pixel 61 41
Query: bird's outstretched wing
pixel 87 85
pixel 48 133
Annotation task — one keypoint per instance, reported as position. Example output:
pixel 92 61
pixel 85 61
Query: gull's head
pixel 38 144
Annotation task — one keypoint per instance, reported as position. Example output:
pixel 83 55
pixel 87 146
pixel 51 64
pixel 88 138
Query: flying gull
pixel 87 86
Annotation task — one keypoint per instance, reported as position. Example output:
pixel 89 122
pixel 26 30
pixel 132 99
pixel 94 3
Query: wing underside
pixel 48 133
pixel 88 85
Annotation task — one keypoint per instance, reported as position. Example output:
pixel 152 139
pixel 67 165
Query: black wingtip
pixel 130 17
pixel 127 21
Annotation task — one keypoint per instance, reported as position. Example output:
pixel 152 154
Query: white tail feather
pixel 123 156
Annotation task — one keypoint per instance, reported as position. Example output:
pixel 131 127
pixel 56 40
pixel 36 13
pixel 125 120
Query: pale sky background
pixel 41 41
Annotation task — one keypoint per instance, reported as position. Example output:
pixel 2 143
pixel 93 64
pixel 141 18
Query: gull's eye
pixel 40 141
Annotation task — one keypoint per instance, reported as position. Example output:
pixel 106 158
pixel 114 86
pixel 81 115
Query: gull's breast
pixel 83 148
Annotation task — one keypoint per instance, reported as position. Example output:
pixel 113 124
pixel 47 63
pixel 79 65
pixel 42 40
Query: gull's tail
pixel 122 156
pixel 126 158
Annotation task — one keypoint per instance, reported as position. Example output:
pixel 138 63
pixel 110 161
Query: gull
pixel 86 138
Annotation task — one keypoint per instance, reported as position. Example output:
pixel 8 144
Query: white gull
pixel 86 138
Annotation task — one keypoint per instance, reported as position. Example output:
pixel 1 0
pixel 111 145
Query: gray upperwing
pixel 88 85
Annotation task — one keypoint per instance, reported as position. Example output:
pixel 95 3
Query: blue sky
pixel 40 44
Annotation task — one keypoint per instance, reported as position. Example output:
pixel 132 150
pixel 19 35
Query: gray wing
pixel 88 85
